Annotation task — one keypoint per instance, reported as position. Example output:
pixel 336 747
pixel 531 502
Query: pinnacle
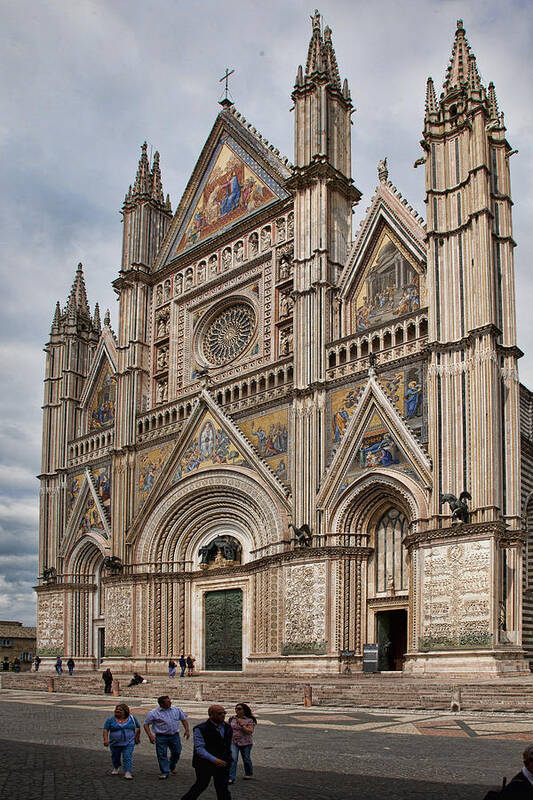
pixel 142 179
pixel 77 299
pixel 321 56
pixel 462 68
pixel 457 69
pixel 431 98
pixel 157 186
pixel 97 325
pixel 57 315
pixel 383 172
pixel 107 319
pixel 493 101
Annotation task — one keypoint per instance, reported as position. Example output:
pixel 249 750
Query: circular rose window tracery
pixel 228 335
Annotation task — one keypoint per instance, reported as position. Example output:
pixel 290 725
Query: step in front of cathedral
pixel 511 694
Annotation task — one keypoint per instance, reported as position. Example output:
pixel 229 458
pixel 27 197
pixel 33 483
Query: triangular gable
pixel 209 440
pixel 376 436
pixel 89 514
pixel 235 176
pixel 405 229
pixel 99 394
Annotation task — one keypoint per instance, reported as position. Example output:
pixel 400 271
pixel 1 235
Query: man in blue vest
pixel 212 755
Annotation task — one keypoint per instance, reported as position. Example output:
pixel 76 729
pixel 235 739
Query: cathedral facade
pixel 298 443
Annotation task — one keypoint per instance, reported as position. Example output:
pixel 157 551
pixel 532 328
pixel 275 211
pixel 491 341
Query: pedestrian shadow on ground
pixel 44 772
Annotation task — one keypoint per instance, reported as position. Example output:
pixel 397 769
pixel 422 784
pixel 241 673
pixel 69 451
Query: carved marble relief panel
pixel 119 605
pixel 50 619
pixel 455 596
pixel 304 629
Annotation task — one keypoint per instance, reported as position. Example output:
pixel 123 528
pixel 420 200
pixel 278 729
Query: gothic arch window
pixel 390 555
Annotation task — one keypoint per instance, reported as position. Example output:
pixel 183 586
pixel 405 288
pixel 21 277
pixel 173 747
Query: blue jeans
pixel 125 752
pixel 182 673
pixel 59 669
pixel 245 750
pixel 163 743
pixel 171 672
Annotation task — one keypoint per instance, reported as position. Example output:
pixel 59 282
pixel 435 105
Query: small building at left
pixel 17 641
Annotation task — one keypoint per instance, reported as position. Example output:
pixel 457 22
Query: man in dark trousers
pixel 212 755
pixel 521 785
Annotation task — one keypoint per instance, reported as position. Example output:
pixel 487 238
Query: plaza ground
pixel 51 747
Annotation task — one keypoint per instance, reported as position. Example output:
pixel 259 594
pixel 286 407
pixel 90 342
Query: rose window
pixel 229 334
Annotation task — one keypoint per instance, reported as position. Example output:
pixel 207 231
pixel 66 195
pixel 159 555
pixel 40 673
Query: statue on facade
pixel 113 564
pixel 303 534
pixel 459 506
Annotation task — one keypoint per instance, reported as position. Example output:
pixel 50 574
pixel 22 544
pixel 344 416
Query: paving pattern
pixel 51 747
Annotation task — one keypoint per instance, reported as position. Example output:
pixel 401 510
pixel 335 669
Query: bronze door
pixel 223 630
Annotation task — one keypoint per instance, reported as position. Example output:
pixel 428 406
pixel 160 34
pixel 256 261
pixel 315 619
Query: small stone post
pixel 308 695
pixel 50 685
pixel 199 693
pixel 115 687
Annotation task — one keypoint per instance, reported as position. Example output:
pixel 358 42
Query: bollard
pixel 308 695
pixel 115 687
pixel 455 703
pixel 199 693
pixel 50 685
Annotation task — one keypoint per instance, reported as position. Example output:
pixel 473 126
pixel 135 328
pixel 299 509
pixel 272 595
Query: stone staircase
pixel 512 694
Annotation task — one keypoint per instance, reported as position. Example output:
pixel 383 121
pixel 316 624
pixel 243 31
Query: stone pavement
pixel 51 748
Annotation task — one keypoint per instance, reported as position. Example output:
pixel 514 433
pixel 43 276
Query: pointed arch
pixel 189 511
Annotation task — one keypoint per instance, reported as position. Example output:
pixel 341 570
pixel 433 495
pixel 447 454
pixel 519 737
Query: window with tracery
pixel 390 554
pixel 228 335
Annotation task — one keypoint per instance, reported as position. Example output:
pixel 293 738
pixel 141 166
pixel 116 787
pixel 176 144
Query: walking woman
pixel 242 725
pixel 121 733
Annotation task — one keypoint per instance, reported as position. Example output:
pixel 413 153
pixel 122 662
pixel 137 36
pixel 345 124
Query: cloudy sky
pixel 85 83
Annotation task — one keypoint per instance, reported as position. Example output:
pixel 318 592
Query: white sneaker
pixel 128 775
pixel 116 771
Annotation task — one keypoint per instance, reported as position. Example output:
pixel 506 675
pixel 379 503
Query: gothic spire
pixel 321 58
pixel 457 72
pixel 107 319
pixel 143 177
pixel 316 45
pixel 77 299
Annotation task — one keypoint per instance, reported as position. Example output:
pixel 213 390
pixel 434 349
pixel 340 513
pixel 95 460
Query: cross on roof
pixel 225 100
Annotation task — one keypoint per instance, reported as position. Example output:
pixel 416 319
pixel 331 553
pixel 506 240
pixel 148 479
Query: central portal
pixel 223 630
